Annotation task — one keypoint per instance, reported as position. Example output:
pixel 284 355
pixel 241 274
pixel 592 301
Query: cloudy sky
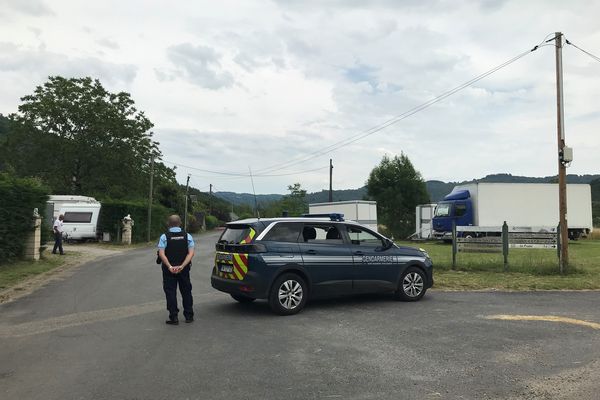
pixel 233 84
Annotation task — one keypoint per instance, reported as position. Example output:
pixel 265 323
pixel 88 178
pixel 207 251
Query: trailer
pixel 424 221
pixel 362 211
pixel 482 208
pixel 80 215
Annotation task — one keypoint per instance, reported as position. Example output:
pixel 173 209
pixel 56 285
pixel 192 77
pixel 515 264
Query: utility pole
pixel 185 214
pixel 150 198
pixel 210 200
pixel 330 180
pixel 562 174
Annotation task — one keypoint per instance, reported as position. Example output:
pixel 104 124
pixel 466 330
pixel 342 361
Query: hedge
pixel 211 222
pixel 18 198
pixel 113 211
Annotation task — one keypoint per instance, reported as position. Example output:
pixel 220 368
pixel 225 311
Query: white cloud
pixel 200 65
pixel 232 84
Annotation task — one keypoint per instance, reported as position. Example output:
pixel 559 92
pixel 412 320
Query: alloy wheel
pixel 290 294
pixel 412 284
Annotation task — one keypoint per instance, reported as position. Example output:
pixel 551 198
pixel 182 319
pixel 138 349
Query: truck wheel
pixel 412 285
pixel 288 294
pixel 242 299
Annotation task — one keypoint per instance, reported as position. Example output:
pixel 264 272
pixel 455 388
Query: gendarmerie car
pixel 289 260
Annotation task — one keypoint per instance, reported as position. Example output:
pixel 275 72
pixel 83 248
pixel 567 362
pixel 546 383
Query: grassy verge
pixel 529 269
pixel 15 272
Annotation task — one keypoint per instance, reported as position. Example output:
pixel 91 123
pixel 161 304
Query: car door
pixel 375 264
pixel 327 259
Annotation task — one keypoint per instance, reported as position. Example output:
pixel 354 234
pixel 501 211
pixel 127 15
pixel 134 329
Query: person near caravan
pixel 57 229
pixel 176 250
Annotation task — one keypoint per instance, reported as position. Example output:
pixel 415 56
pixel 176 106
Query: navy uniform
pixel 176 244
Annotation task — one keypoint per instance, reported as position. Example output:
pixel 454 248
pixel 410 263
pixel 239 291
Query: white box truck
pixel 362 211
pixel 483 208
pixel 80 212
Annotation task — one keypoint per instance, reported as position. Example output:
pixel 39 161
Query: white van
pixel 80 212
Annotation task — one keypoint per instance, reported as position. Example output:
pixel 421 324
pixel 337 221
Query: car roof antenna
pixel 256 212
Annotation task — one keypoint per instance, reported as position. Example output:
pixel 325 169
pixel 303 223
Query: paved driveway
pixel 100 334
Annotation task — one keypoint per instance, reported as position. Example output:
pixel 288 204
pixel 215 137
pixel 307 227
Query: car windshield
pixel 442 210
pixel 235 234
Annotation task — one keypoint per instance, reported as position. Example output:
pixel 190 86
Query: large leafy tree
pixel 398 188
pixel 82 139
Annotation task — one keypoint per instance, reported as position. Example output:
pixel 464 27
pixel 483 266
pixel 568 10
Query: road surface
pixel 100 334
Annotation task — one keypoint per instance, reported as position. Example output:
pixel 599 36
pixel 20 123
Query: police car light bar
pixel 332 216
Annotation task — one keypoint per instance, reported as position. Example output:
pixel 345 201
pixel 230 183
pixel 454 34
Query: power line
pixel 583 51
pixel 400 117
pixel 235 175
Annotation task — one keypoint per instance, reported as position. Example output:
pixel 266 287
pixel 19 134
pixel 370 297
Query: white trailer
pixel 524 206
pixel 80 215
pixel 362 211
pixel 423 221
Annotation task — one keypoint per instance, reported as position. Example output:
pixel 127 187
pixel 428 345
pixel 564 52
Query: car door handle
pixel 359 253
pixel 311 252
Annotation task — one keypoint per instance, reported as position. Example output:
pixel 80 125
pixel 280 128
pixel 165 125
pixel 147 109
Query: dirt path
pixel 80 254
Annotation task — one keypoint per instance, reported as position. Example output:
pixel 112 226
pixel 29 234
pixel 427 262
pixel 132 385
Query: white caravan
pixel 80 212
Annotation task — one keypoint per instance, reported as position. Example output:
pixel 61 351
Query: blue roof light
pixel 332 216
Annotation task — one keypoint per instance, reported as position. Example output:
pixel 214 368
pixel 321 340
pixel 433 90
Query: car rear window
pixel 235 234
pixel 283 232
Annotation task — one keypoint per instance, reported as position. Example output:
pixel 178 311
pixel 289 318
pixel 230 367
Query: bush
pixel 211 222
pixel 18 198
pixel 113 211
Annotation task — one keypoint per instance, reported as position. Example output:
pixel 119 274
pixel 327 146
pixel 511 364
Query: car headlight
pixel 424 253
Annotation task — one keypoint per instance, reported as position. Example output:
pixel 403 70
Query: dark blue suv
pixel 289 260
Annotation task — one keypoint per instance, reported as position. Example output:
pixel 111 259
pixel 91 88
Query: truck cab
pixel 457 208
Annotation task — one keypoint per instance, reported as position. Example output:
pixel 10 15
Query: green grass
pixel 15 272
pixel 529 269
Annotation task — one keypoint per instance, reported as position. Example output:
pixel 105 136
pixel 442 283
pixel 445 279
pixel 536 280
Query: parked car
pixel 291 260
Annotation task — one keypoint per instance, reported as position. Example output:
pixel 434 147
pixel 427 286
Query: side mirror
pixel 388 243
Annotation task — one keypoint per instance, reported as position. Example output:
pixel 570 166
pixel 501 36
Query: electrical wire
pixel 582 50
pixel 238 175
pixel 266 172
pixel 400 117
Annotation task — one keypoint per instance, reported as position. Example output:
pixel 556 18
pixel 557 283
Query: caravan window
pixel 77 217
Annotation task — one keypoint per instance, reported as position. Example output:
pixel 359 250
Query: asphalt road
pixel 100 334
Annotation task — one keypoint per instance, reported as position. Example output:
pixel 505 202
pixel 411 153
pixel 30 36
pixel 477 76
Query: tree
pixel 81 139
pixel 398 188
pixel 295 202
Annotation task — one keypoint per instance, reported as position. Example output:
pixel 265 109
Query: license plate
pixel 224 257
pixel 226 268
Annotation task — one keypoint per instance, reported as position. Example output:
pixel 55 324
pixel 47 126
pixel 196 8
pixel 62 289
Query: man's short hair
pixel 174 221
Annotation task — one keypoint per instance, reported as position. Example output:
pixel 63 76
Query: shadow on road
pixel 261 307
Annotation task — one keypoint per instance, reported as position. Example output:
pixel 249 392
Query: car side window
pixel 320 233
pixel 283 232
pixel 363 237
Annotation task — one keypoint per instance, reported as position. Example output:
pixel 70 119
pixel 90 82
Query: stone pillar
pixel 127 230
pixel 33 242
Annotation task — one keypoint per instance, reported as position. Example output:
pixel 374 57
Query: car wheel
pixel 288 294
pixel 412 285
pixel 242 299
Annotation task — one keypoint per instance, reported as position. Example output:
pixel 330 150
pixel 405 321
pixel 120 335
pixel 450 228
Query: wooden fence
pixel 466 239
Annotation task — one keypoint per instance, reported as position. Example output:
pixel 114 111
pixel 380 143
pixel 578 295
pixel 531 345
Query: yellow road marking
pixel 545 318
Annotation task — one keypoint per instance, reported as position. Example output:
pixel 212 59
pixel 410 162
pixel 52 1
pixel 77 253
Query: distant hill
pixel 338 195
pixel 247 198
pixel 436 189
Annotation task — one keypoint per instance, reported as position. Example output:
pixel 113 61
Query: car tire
pixel 412 285
pixel 288 294
pixel 241 298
